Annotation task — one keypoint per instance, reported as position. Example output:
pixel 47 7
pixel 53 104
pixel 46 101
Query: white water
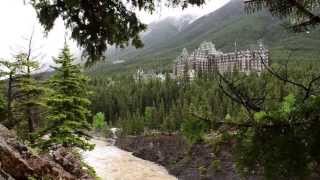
pixel 112 163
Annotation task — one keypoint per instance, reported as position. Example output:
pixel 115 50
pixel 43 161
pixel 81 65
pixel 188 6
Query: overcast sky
pixel 18 21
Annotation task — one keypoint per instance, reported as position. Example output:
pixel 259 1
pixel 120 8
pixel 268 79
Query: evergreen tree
pixel 304 13
pixel 29 96
pixel 68 107
pixel 2 105
pixel 9 70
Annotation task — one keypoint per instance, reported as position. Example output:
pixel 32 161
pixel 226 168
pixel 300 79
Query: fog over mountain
pixel 158 33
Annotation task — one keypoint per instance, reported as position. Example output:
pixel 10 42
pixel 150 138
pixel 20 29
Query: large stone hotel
pixel 206 59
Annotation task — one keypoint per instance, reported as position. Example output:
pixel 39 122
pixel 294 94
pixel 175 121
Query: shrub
pixel 194 129
pixel 99 122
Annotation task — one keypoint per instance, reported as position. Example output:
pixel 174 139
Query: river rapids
pixel 112 163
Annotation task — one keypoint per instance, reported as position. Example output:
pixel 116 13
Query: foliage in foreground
pixel 283 143
pixel 278 138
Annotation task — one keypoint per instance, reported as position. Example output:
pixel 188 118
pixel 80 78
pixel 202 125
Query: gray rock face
pixel 17 162
pixel 5 176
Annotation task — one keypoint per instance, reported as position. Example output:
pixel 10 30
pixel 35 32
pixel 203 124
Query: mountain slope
pixel 225 26
pixel 158 33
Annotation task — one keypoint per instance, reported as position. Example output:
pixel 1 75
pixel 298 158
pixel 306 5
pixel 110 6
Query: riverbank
pixel 186 162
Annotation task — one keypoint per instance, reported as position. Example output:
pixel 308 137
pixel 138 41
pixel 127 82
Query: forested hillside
pixel 223 27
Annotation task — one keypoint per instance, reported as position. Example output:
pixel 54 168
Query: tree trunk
pixel 10 122
pixel 30 120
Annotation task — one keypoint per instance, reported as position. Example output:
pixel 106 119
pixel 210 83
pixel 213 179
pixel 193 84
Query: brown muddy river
pixel 112 163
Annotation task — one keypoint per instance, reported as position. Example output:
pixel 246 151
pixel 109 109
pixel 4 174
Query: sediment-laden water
pixel 112 163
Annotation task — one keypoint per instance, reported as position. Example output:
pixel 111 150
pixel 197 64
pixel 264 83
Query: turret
pixel 184 53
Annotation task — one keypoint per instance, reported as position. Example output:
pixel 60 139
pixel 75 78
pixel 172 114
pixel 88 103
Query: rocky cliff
pixel 18 162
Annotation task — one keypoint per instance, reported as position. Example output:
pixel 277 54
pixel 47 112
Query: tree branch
pixel 306 89
pixel 239 96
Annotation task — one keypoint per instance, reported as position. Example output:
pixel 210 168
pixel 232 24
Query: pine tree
pixel 29 96
pixel 303 13
pixel 68 107
pixel 9 70
pixel 2 104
